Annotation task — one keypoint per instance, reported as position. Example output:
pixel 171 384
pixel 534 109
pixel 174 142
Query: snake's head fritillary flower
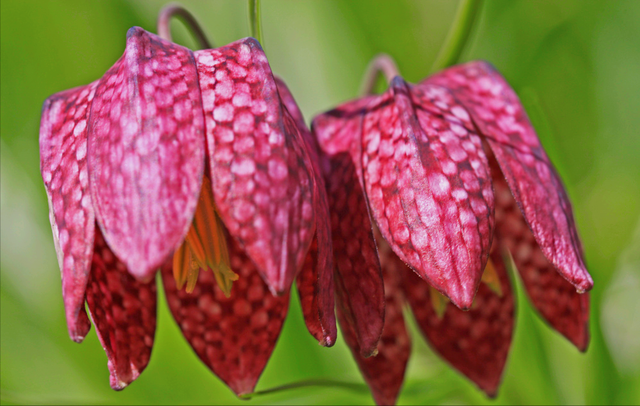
pixel 452 175
pixel 188 162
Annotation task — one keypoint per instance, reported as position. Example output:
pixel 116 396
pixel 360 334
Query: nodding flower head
pixel 452 177
pixel 190 163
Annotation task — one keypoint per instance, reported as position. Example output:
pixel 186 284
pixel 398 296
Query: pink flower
pixel 186 161
pixel 453 176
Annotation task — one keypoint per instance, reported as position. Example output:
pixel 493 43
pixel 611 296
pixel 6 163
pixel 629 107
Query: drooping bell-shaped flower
pixel 191 163
pixel 451 174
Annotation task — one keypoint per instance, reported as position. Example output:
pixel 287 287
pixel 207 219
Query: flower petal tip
pixel 328 341
pixel 278 289
pixel 583 346
pixel 463 299
pixel 142 270
pixel 243 388
pixel 369 352
pixel 491 392
pixel 585 285
pixel 78 326
pixel 118 382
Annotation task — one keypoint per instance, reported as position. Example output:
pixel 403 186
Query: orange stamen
pixel 205 247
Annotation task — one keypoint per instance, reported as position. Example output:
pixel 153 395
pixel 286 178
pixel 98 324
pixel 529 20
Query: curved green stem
pixel 311 382
pixel 175 10
pixel 255 20
pixel 381 63
pixel 458 35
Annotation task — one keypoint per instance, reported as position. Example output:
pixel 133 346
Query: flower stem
pixel 458 34
pixel 164 27
pixel 358 387
pixel 255 20
pixel 381 63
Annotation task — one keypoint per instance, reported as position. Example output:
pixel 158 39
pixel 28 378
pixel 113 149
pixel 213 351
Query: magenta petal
pixel 475 342
pixel 555 298
pixel 429 188
pixel 384 372
pixel 262 186
pixel 315 289
pixel 358 277
pixel 537 188
pixel 339 130
pixel 146 151
pixel 315 281
pixel 234 336
pixel 123 311
pixel 63 152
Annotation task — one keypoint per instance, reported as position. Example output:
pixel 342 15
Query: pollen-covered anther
pixel 205 247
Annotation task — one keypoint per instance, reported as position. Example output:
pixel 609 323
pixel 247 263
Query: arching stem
pixel 255 20
pixel 358 387
pixel 458 34
pixel 381 63
pixel 174 10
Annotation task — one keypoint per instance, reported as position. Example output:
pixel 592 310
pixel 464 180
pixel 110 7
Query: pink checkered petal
pixel 234 336
pixel 429 188
pixel 554 297
pixel 315 281
pixel 537 188
pixel 339 130
pixel 358 277
pixel 123 311
pixel 262 179
pixel 146 151
pixel 63 162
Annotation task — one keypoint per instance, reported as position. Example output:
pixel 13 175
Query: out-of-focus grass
pixel 575 64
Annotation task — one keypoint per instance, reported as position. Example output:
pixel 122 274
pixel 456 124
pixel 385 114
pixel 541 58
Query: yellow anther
pixel 205 247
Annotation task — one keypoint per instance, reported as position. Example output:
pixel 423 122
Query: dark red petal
pixel 63 162
pixel 475 342
pixel 556 299
pixel 146 151
pixel 234 336
pixel 123 311
pixel 262 185
pixel 429 187
pixel 497 112
pixel 384 372
pixel 358 277
pixel 315 281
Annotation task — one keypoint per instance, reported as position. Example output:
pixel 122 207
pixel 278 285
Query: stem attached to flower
pixel 358 387
pixel 381 63
pixel 458 34
pixel 255 20
pixel 164 27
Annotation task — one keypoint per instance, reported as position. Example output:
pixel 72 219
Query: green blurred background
pixel 576 64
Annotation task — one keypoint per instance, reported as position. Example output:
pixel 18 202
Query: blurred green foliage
pixel 577 66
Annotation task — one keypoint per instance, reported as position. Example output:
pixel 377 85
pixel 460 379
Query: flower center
pixel 205 247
